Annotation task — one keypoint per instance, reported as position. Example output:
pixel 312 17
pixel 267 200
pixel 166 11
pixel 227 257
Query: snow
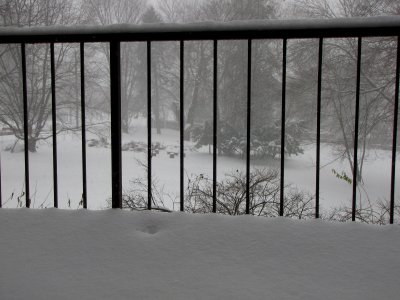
pixel 254 25
pixel 113 254
pixel 299 170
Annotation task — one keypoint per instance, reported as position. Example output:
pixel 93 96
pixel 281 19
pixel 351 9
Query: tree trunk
pixel 76 93
pixel 196 89
pixel 157 103
pixel 32 144
pixel 124 116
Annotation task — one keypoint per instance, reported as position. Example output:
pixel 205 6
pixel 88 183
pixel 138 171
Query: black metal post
pixel 26 137
pixel 83 123
pixel 283 121
pixel 355 155
pixel 181 126
pixel 54 123
pixel 149 152
pixel 394 142
pixel 1 202
pixel 116 165
pixel 215 114
pixel 248 137
pixel 317 175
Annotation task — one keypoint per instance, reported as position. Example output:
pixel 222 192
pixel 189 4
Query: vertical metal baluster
pixel 248 139
pixel 215 113
pixel 149 153
pixel 53 123
pixel 26 139
pixel 1 191
pixel 181 126
pixel 355 155
pixel 83 123
pixel 317 174
pixel 394 142
pixel 1 202
pixel 283 120
pixel 116 164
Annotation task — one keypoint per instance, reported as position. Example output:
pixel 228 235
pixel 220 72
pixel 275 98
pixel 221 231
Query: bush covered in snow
pixel 265 141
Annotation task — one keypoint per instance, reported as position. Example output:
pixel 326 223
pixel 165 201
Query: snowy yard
pixel 299 170
pixel 113 254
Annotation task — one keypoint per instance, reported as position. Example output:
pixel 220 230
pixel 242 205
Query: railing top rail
pixel 261 29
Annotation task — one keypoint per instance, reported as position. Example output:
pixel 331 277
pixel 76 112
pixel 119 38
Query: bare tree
pixel 23 13
pixel 158 67
pixel 339 77
pixel 232 64
pixel 198 60
pixel 106 12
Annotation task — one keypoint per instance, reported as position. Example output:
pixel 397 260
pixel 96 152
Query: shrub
pixel 264 195
pixel 265 140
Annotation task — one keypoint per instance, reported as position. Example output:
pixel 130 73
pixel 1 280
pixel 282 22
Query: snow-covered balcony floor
pixel 58 254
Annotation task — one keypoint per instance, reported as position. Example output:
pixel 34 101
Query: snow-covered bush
pixel 229 140
pixel 265 140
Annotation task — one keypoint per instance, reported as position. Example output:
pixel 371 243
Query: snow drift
pixel 58 254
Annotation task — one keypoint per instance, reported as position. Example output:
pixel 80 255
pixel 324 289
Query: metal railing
pixel 249 31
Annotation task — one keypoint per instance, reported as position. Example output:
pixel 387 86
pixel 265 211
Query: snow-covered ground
pixel 113 254
pixel 299 170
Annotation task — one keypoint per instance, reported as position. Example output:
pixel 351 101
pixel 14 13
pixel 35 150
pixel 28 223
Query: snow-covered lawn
pixel 299 170
pixel 113 254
